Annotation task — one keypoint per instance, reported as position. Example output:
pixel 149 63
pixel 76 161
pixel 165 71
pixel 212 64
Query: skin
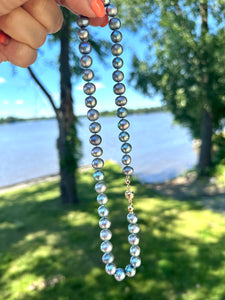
pixel 36 19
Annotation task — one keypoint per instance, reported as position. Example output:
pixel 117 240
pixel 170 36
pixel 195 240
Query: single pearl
pixel 111 10
pixel 106 246
pixel 98 175
pixel 97 163
pixel 135 261
pixel 102 199
pixel 93 114
pixel 83 34
pixel 82 21
pixel 133 228
pixel 103 211
pixel 86 61
pixel 130 271
pixel 115 23
pixel 124 136
pixel 128 170
pixel 107 258
pixel 117 62
pixel 89 88
pixel 95 127
pixel 100 187
pixel 110 268
pixel 90 101
pixel 96 152
pixel 88 75
pixel 133 239
pixel 105 234
pixel 95 139
pixel 119 274
pixel 85 47
pixel 135 250
pixel 116 49
pixel 126 148
pixel 104 223
pixel 132 218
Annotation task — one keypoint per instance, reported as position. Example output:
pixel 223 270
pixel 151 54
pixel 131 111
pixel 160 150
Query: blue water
pixel 161 150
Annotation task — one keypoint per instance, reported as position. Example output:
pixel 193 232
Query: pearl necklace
pixel 95 139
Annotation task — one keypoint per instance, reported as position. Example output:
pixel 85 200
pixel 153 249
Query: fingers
pixel 46 12
pixel 88 8
pixel 9 5
pixel 22 27
pixel 17 53
pixel 99 21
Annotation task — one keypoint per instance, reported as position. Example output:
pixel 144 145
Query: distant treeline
pixel 136 111
pixel 15 119
pixel 104 114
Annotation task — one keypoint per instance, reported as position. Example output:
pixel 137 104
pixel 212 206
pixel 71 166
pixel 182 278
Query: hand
pixel 88 8
pixel 26 25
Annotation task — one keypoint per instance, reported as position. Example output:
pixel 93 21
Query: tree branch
pixel 56 110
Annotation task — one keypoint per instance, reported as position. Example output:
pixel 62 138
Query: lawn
pixel 51 252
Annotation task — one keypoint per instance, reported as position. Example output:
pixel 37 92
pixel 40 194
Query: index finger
pixel 7 6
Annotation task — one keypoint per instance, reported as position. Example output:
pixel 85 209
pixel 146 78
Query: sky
pixel 21 97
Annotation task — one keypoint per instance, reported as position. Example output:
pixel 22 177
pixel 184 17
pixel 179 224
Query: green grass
pixel 51 252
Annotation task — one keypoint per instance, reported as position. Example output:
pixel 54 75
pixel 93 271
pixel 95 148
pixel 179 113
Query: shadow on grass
pixel 52 252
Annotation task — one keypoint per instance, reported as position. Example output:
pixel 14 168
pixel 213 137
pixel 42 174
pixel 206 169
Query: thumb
pixel 88 8
pixel 7 6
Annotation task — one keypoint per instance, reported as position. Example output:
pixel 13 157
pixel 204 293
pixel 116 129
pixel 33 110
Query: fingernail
pixel 98 8
pixel 4 38
pixel 106 21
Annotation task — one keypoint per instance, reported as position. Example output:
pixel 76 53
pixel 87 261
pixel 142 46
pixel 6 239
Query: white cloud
pixel 98 85
pixel 2 80
pixel 19 102
pixel 5 102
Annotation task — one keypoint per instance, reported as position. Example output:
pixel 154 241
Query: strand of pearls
pixel 95 139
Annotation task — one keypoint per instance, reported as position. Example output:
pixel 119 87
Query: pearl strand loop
pixel 95 139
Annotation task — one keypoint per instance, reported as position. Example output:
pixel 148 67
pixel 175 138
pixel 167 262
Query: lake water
pixel 161 150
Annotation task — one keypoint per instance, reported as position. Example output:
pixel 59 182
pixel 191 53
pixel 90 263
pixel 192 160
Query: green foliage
pixel 179 54
pixel 52 252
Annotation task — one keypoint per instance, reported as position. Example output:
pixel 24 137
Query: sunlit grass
pixel 51 252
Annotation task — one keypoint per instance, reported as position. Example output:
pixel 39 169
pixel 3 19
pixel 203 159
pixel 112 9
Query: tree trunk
pixel 206 145
pixel 207 116
pixel 67 126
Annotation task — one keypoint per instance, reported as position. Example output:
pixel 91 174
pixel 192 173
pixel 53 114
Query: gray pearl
pixel 118 75
pixel 123 124
pixel 107 258
pixel 110 268
pixel 106 246
pixel 119 88
pixel 126 148
pixel 126 159
pixel 124 136
pixel 93 114
pixel 86 61
pixel 100 187
pixel 105 235
pixel 85 48
pixel 111 10
pixel 103 199
pixel 121 101
pixel 130 271
pixel 122 112
pixel 116 36
pixel 88 75
pixel 103 211
pixel 120 274
pixel 117 62
pixel 97 151
pixel 132 218
pixel 104 222
pixel 90 101
pixel 95 139
pixel 133 228
pixel 117 49
pixel 106 2
pixel 133 239
pixel 128 170
pixel 97 163
pixel 114 24
pixel 135 261
pixel 82 21
pixel 135 250
pixel 83 34
pixel 89 88
pixel 95 127
pixel 98 175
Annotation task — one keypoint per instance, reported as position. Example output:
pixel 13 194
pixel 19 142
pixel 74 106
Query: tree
pixel 67 143
pixel 184 62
